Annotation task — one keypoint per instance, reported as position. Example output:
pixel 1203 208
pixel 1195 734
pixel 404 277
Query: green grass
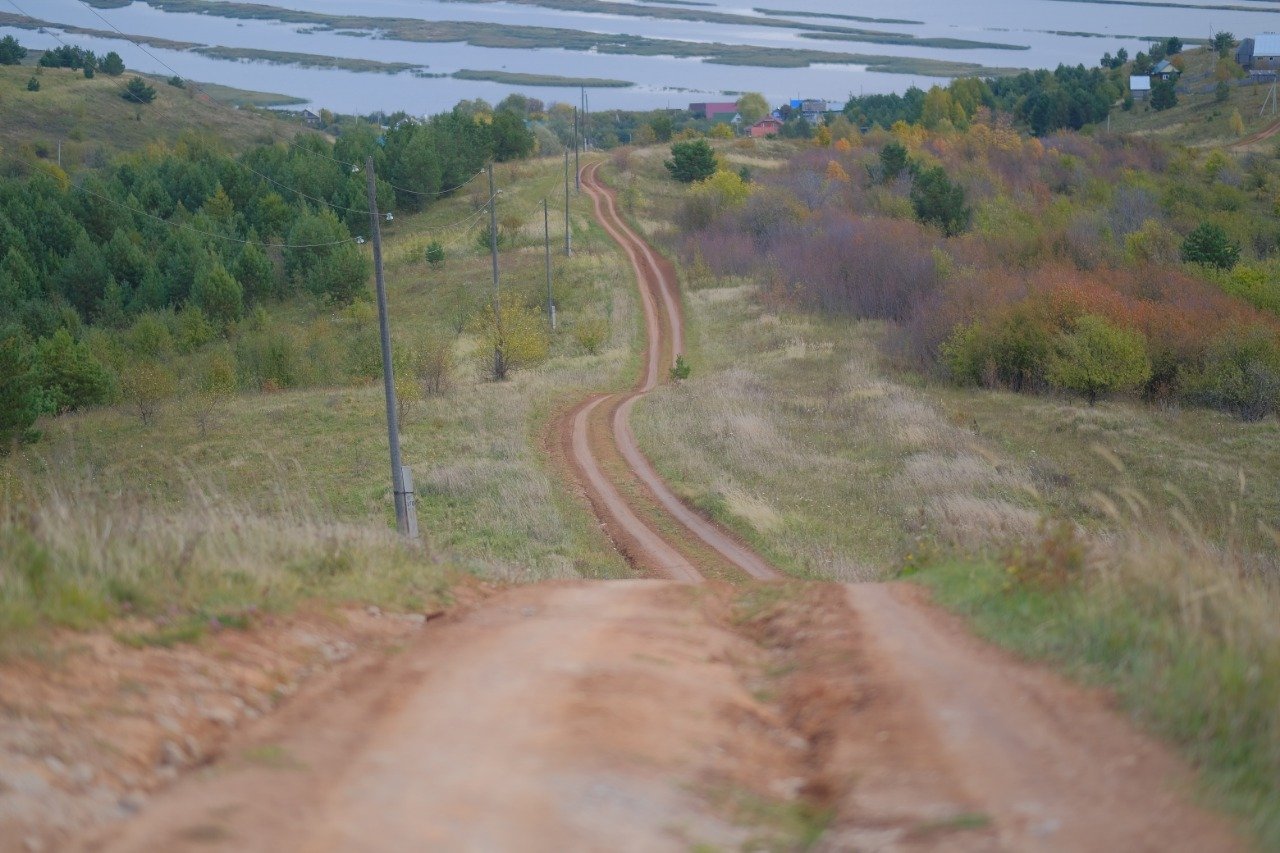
pixel 795 432
pixel 284 497
pixel 95 124
pixel 1198 118
pixel 1190 675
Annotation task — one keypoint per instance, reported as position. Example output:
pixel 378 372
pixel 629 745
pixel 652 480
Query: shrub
pixel 1209 245
pixel 138 92
pixel 681 369
pixel 1011 351
pixel 1096 358
pixel 590 332
pixel 513 337
pixel 693 160
pixel 435 367
pixel 33 85
pixel 435 254
pixel 147 386
pixel 1240 373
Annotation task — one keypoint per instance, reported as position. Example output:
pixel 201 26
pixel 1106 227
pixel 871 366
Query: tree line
pixel 188 243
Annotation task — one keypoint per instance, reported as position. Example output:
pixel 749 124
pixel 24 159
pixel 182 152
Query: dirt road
pixel 600 428
pixel 659 715
pixel 669 715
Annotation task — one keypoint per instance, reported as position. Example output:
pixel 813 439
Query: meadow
pixel 1131 543
pixel 260 500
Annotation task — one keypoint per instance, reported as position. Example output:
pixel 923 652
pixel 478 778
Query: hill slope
pixel 94 123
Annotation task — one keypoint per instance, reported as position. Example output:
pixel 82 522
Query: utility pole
pixel 568 235
pixel 59 153
pixel 546 243
pixel 577 179
pixel 406 513
pixel 499 368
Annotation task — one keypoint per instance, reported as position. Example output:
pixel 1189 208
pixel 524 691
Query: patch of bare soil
pixel 91 727
pixel 655 715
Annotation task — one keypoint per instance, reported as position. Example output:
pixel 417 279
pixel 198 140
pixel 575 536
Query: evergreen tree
pixel 938 201
pixel 1163 95
pixel 112 65
pixel 256 274
pixel 11 53
pixel 138 92
pixel 217 294
pixel 70 375
pixel 691 161
pixel 19 394
pixel 1209 244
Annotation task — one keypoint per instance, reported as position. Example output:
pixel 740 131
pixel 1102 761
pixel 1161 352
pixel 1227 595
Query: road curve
pixel 605 420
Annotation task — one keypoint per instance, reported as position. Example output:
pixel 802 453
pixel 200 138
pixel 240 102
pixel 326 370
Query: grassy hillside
pixel 94 123
pixel 209 484
pixel 1200 118
pixel 1133 545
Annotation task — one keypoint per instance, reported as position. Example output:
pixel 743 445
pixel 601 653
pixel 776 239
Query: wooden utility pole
pixel 499 365
pixel 568 235
pixel 406 513
pixel 577 179
pixel 546 244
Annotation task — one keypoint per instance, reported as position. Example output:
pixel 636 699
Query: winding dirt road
pixel 600 426
pixel 655 715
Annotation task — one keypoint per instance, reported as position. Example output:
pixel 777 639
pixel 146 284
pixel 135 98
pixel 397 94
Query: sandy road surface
pixel 659 715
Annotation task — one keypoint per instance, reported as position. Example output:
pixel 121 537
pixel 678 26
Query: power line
pixel 354 167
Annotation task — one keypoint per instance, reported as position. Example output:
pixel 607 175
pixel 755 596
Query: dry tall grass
pixel 75 552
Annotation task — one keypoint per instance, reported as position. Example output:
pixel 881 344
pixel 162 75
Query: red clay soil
pixel 658 715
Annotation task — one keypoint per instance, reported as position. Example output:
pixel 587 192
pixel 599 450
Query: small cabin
pixel 767 126
pixel 1140 87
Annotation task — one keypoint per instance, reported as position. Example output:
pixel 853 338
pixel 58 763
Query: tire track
pixel 605 420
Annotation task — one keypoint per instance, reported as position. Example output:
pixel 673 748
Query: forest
pixel 1084 265
pixel 116 283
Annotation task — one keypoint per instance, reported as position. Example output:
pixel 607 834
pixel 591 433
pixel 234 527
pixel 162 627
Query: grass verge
pixel 1192 651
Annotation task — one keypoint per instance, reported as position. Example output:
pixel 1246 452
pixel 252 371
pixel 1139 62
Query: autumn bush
pixel 1087 264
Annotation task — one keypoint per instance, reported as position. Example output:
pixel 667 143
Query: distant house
pixel 1165 70
pixel 310 119
pixel 710 110
pixel 814 110
pixel 1140 87
pixel 1261 53
pixel 767 126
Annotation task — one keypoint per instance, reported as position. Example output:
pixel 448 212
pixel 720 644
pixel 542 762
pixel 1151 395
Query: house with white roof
pixel 1260 53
